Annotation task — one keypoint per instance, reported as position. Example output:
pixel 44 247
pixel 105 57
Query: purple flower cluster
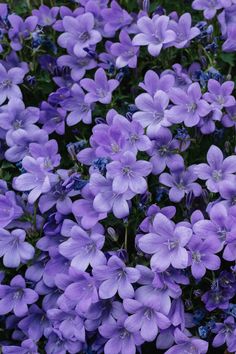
pixel 118 180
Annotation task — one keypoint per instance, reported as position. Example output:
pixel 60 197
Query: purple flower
pixel 220 95
pixel 79 109
pixel 154 33
pixel 181 182
pixel 207 123
pixel 15 116
pixel 105 199
pixel 230 44
pixel 153 83
pixel 79 33
pixel 125 52
pixel 217 170
pixel 120 339
pixel 209 6
pixel 45 15
pixel 83 249
pixel 189 106
pixel 27 346
pixel 115 18
pixel 217 298
pixel 229 119
pixel 100 89
pixel 77 65
pixel 10 210
pixel 202 256
pixel 187 344
pixel 145 317
pixel 217 228
pixel 20 29
pixel 166 243
pixel 20 145
pixel 225 332
pixel 115 277
pixel 15 297
pixel 183 30
pixel 82 291
pixel 8 83
pixel 84 210
pixel 14 249
pixel 37 179
pixel 152 112
pixel 35 324
pixel 128 174
pixel 52 118
pixel 164 150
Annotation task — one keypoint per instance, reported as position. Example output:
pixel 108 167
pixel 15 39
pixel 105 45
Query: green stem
pixel 126 237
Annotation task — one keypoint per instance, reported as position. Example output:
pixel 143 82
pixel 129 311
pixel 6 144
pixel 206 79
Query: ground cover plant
pixel 117 177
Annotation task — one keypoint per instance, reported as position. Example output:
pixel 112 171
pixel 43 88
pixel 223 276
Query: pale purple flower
pixel 35 324
pixel 83 249
pixel 27 346
pixel 9 81
pixel 166 243
pixel 20 143
pixel 183 30
pixel 115 277
pixel 209 7
pixel 16 297
pixel 48 152
pixel 153 83
pixel 84 210
pixel 115 18
pixel 120 339
pixel 20 29
pixel 14 249
pixel 37 179
pixel 52 118
pixel 189 106
pixel 10 210
pixel 78 66
pixel 152 111
pixel 202 256
pixel 15 116
pixel 229 119
pixel 217 170
pixel 220 95
pixel 217 228
pixel 186 344
pixel 82 291
pixel 207 123
pixel 145 317
pixel 230 44
pixel 100 89
pixel 125 52
pixel 181 182
pixel 106 200
pixel 128 174
pixel 164 150
pixel 46 16
pixel 79 33
pixel 79 109
pixel 225 332
pixel 154 33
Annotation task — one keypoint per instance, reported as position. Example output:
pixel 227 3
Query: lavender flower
pixel 125 51
pixel 9 81
pixel 14 249
pixel 189 106
pixel 16 297
pixel 128 174
pixel 154 33
pixel 45 15
pixel 100 89
pixel 166 243
pixel 218 170
pixel 209 7
pixel 115 277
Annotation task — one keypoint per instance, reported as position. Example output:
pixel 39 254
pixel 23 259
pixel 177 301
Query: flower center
pixel 196 256
pixel 158 116
pixel 84 36
pixel 124 333
pixel 6 84
pixel 127 170
pixel 191 107
pixel 217 175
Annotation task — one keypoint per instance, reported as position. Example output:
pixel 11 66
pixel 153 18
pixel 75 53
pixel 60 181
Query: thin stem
pixel 126 237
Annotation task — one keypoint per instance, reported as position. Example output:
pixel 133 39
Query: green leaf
pixel 228 58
